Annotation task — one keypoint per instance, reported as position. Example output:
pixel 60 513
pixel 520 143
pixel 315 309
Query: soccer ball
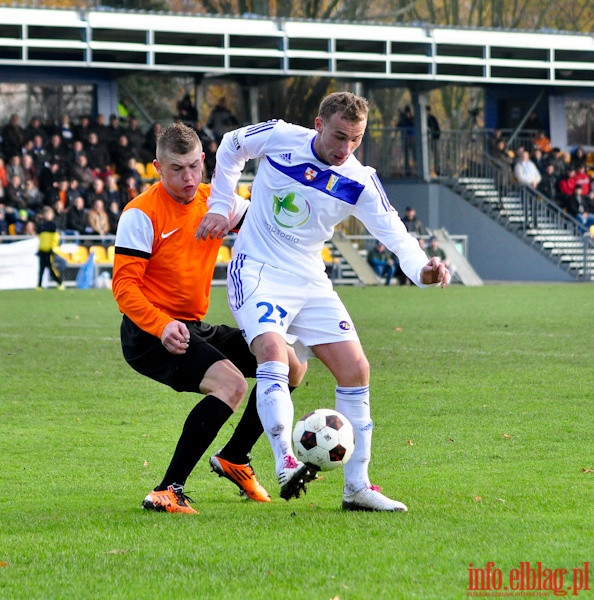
pixel 324 439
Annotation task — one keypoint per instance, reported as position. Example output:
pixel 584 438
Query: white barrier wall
pixel 19 264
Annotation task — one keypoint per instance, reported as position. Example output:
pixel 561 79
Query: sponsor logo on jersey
pixel 345 325
pixel 290 210
pixel 286 156
pixel 310 174
pixel 332 183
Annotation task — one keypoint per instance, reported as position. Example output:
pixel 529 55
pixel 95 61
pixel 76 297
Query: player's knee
pixel 233 392
pixel 356 373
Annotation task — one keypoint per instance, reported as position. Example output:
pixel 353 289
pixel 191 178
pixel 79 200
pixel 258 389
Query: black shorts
pixel 184 372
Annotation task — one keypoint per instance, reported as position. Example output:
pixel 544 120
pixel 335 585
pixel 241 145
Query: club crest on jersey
pixel 310 174
pixel 286 156
pixel 332 183
pixel 290 209
pixel 345 325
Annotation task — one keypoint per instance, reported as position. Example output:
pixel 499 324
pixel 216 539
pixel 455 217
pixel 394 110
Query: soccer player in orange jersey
pixel 161 282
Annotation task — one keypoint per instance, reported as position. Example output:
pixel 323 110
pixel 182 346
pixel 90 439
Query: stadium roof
pixel 219 46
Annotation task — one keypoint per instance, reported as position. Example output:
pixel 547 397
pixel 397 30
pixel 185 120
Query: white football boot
pixel 370 499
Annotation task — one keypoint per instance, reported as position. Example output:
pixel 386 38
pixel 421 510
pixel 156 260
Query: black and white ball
pixel 324 439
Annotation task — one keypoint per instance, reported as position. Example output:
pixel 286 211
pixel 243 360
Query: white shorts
pixel 264 299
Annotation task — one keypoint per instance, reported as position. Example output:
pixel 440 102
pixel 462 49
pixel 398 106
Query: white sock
pixel 275 408
pixel 353 403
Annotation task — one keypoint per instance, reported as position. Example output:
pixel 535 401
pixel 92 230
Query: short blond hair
pixel 351 107
pixel 177 139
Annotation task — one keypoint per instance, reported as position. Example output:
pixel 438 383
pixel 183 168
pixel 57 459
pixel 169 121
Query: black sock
pixel 200 429
pixel 246 434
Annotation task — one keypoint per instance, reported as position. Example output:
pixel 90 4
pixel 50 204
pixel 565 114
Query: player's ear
pixel 318 124
pixel 157 166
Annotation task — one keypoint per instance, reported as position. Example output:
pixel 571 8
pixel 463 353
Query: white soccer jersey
pixel 297 200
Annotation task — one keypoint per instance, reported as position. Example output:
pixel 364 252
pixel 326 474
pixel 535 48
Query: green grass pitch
pixel 483 404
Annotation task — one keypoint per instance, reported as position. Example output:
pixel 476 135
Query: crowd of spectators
pixel 563 177
pixel 86 169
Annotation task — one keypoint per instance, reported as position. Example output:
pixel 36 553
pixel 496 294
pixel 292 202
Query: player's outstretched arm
pixel 212 226
pixel 435 272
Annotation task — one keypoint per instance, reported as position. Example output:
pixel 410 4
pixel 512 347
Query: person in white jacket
pixel 308 181
pixel 527 172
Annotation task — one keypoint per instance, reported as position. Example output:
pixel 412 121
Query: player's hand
pixel 212 226
pixel 175 337
pixel 435 272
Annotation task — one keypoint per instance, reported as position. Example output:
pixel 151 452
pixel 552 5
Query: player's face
pixel 181 174
pixel 337 138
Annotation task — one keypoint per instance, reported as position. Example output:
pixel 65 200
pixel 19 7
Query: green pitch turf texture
pixel 483 404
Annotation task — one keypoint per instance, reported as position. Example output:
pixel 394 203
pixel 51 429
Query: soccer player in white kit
pixel 308 181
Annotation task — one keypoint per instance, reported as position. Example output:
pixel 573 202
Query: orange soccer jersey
pixel 161 272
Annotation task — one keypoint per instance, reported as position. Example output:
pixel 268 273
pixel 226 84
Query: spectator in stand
pixel 14 194
pixel 76 216
pixel 39 152
pixel 542 143
pixel 100 128
pixel 493 140
pixel 33 198
pixel 121 153
pixel 557 157
pixel 549 182
pixel 434 134
pixel 114 213
pixel 66 130
pixel 60 216
pixel 82 172
pixel 186 111
pixel 210 159
pixel 130 170
pixel 51 173
pixel 13 137
pixel 412 223
pixel 382 261
pixel 58 152
pixel 97 155
pixel 29 169
pixel 128 191
pixel 3 174
pixel 406 124
pixel 112 134
pixel 582 179
pixel 567 185
pixel 59 193
pixel 76 150
pixel 83 129
pixel 539 160
pixel 35 128
pixel 578 157
pixel 526 172
pixel 73 191
pixel 15 167
pixel 148 151
pixel 97 219
pixel 96 192
pixel 112 191
pixel 221 119
pixel 134 134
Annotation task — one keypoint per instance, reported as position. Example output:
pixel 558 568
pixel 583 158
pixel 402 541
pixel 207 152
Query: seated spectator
pixel 98 156
pixel 130 170
pixel 51 173
pixel 66 130
pixel 58 152
pixel 83 129
pixel 210 159
pixel 582 179
pixel 578 157
pixel 34 199
pixel 35 128
pixel 96 192
pixel 381 261
pixel 128 191
pixel 567 184
pixel 121 153
pixel 82 172
pixel 97 219
pixel 112 191
pixel 412 223
pixel 434 250
pixel 29 169
pixel 148 152
pixel 558 158
pixel 15 167
pixel 76 150
pixel 134 134
pixel 114 213
pixel 540 160
pixel 14 194
pixel 12 137
pixel 59 194
pixel 526 172
pixel 60 216
pixel 548 185
pixel 76 216
pixel 542 143
pixel 38 151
